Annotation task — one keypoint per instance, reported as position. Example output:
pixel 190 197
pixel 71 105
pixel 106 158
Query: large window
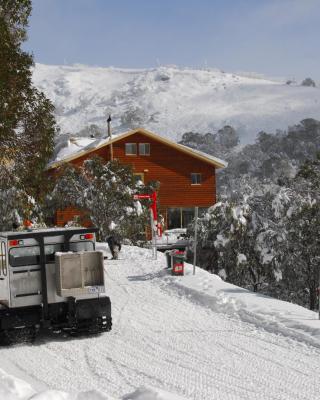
pixel 174 218
pixel 187 216
pixel 182 217
pixel 195 178
pixel 131 149
pixel 144 149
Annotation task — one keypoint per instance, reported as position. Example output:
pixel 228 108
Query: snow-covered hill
pixel 171 101
pixel 174 338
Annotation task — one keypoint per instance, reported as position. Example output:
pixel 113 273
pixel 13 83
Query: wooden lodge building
pixel 187 177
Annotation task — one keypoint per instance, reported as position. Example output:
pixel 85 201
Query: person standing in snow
pixel 114 246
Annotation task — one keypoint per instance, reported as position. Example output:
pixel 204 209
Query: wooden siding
pixel 173 169
pixel 169 166
pixel 69 214
pixel 166 164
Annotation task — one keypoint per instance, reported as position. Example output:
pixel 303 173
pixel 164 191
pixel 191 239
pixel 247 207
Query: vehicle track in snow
pixel 162 338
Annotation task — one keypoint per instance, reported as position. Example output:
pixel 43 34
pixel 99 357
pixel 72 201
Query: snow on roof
pixel 203 154
pixel 68 154
pixel 78 147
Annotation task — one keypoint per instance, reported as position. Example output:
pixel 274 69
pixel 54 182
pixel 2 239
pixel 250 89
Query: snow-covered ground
pixel 189 337
pixel 171 101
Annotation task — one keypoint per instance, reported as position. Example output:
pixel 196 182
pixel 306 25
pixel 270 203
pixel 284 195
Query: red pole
pixel 153 207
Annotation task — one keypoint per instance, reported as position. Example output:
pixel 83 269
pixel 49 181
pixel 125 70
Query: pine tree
pixel 27 125
pixel 239 242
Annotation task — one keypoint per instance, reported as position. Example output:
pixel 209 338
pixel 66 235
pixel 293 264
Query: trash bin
pixel 177 257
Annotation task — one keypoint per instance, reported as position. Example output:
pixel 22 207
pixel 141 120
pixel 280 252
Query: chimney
pixel 110 137
pixel 109 127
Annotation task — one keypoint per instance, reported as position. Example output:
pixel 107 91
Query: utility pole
pixel 110 137
pixel 318 292
pixel 195 239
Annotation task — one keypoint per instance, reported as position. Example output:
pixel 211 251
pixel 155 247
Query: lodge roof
pixel 100 143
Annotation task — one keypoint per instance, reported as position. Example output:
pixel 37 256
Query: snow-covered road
pixel 163 337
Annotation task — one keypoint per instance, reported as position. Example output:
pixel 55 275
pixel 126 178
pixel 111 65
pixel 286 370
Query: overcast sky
pixel 272 37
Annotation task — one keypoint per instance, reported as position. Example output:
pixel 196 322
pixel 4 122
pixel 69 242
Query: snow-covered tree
pixel 272 186
pixel 272 159
pixel 238 242
pixel 16 205
pixel 227 137
pixel 301 217
pixel 104 193
pixel 220 143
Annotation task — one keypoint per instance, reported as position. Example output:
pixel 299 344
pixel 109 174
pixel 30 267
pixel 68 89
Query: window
pixel 187 216
pixel 174 218
pixel 182 217
pixel 195 178
pixel 21 256
pixel 144 149
pixel 3 262
pixel 131 149
pixel 138 176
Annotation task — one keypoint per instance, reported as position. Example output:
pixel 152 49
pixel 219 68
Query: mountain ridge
pixel 171 101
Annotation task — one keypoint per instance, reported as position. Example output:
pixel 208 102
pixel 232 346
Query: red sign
pixel 142 196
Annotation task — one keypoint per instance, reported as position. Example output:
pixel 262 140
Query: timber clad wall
pixel 173 169
pixel 69 214
pixel 169 166
pixel 166 164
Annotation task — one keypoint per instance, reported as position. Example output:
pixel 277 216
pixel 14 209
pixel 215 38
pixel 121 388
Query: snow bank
pixel 273 315
pixel 12 388
pixel 152 394
pixel 213 292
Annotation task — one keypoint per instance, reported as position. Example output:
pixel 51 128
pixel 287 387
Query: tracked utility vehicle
pixel 51 278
